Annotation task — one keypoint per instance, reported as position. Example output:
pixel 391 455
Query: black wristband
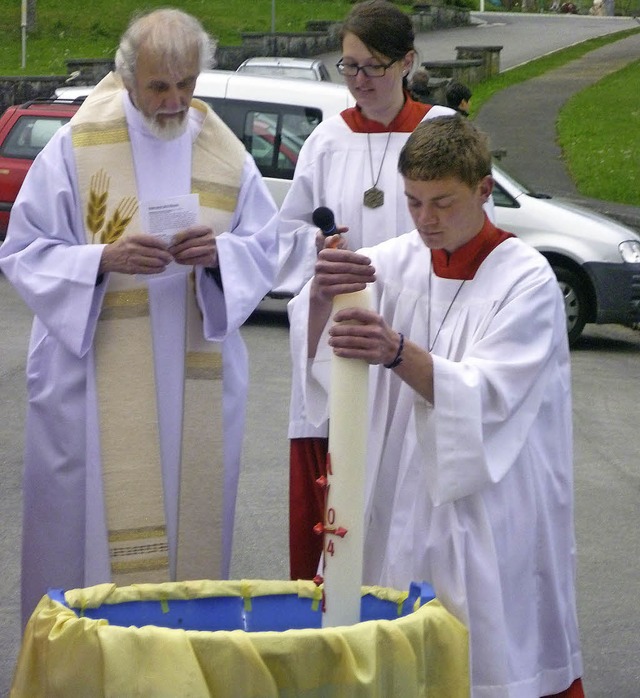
pixel 398 357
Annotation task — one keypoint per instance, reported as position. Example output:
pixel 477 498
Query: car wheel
pixel 575 301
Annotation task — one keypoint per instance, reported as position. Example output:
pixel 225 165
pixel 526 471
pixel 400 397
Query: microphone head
pixel 325 220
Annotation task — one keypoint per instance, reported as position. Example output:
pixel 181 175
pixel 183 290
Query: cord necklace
pixel 374 197
pixel 431 344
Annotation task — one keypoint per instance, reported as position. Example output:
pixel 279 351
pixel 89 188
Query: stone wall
pixel 468 72
pixel 473 64
pixel 16 90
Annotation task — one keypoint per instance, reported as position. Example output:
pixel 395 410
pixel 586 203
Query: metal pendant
pixel 373 198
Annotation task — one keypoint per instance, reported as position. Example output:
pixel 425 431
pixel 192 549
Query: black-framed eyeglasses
pixel 350 70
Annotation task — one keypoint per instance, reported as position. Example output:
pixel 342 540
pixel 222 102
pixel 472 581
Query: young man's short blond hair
pixel 447 146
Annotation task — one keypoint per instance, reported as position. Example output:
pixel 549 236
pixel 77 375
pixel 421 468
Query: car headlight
pixel 630 251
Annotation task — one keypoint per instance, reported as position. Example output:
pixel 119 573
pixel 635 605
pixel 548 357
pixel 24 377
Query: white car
pixel 596 259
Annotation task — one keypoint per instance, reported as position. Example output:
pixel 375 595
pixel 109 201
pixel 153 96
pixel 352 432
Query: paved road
pixel 521 36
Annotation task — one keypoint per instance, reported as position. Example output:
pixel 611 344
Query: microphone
pixel 325 220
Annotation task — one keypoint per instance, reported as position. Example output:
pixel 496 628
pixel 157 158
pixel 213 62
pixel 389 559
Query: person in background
pixel 458 97
pixel 142 239
pixel 469 475
pixel 419 86
pixel 348 164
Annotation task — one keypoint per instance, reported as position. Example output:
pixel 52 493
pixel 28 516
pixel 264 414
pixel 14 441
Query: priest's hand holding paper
pixel 195 246
pixel 135 254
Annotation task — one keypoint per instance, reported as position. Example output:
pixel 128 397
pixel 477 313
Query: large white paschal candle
pixel 344 511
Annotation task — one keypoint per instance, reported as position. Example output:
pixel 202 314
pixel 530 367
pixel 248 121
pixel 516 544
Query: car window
pixel 30 134
pixel 501 198
pixel 260 138
pixel 272 133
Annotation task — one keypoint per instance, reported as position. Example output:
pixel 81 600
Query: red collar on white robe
pixel 406 119
pixel 464 262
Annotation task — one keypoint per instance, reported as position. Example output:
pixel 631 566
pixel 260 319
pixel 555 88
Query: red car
pixel 24 131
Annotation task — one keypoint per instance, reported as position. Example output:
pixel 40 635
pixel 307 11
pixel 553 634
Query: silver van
pixel 285 67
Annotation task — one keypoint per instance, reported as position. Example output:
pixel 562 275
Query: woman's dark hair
pixel 382 27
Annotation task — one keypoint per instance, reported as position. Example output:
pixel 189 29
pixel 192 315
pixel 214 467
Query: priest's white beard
pixel 168 129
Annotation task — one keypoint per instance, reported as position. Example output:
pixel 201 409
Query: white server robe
pixel 474 493
pixel 334 170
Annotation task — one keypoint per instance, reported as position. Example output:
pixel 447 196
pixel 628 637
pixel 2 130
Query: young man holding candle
pixel 469 460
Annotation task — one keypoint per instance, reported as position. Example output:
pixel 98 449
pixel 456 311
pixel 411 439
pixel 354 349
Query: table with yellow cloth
pixel 65 653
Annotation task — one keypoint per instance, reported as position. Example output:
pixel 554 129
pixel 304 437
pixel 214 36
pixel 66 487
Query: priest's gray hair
pixel 170 33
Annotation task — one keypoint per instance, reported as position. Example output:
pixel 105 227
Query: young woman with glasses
pixel 350 165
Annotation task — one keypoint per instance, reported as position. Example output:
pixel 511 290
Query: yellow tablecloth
pixel 63 655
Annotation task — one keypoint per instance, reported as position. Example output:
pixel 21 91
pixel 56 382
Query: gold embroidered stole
pixel 125 381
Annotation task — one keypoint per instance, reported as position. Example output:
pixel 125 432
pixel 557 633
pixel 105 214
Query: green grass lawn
pixel 76 30
pixel 599 133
